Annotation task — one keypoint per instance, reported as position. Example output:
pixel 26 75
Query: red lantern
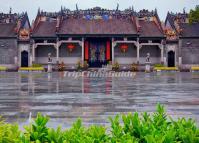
pixel 71 47
pixel 124 47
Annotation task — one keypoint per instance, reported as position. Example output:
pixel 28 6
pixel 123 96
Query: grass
pixel 34 67
pixel 166 68
pixel 2 68
pixel 31 69
pixel 195 68
pixel 130 128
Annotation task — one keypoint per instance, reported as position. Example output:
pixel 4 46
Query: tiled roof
pixel 149 29
pixel 7 29
pixel 45 29
pixel 97 26
pixel 190 30
pixel 171 19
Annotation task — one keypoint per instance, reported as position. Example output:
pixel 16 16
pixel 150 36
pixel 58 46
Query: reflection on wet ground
pixel 65 99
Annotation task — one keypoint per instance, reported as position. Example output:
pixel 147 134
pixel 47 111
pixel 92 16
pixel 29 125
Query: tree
pixel 194 15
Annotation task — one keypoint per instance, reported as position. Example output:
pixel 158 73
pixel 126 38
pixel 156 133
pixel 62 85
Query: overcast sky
pixel 31 6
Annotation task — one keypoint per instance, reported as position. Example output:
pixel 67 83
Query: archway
pixel 171 59
pixel 24 59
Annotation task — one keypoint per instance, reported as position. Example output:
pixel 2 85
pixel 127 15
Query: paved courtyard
pixel 65 99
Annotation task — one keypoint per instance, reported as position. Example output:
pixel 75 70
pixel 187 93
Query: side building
pixel 14 40
pixel 97 36
pixel 182 48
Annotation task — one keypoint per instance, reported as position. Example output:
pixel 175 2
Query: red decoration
pixel 71 47
pixel 124 47
pixel 86 50
pixel 108 50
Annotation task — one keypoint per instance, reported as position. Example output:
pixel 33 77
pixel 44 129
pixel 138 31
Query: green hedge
pixel 37 65
pixel 130 128
pixel 158 65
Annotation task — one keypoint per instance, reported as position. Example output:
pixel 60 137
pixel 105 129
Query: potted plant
pixel 85 65
pixel 78 66
pixel 61 67
pixel 116 66
pixel 134 67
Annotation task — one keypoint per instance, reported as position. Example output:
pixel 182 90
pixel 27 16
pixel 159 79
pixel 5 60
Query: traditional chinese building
pixel 14 39
pixel 98 36
pixel 182 48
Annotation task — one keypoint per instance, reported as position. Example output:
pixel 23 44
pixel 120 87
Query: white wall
pixel 153 60
pixel 125 60
pixel 9 66
pixel 44 60
pixel 66 60
pixel 70 60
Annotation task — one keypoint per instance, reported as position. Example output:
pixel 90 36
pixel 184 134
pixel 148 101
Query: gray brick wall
pixel 153 50
pixel 64 52
pixel 42 51
pixel 8 51
pixel 131 52
pixel 190 51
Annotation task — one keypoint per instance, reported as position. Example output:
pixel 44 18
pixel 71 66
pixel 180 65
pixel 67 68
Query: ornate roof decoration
pixel 146 13
pixel 93 13
pixel 14 23
pixel 24 34
pixel 96 20
pixel 176 19
pixel 171 34
pixel 179 23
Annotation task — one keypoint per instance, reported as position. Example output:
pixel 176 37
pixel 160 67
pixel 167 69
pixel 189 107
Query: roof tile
pixel 149 29
pixel 7 29
pixel 45 29
pixel 100 26
pixel 190 30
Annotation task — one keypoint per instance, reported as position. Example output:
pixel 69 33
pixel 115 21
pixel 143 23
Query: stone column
pixel 30 63
pixel 57 48
pixel 138 51
pixel 179 52
pixel 82 49
pixel 16 60
pixel 162 53
pixel 161 46
pixel 165 61
pixel 113 45
pixel 33 52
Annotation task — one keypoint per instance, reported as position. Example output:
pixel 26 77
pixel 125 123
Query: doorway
pixel 98 52
pixel 171 59
pixel 24 59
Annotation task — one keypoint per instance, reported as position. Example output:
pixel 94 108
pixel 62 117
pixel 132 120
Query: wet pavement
pixel 65 99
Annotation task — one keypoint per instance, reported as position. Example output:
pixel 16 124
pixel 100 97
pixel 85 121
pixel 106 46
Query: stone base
pixel 49 67
pixel 148 67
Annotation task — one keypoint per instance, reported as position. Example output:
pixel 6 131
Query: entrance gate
pixel 97 52
pixel 171 59
pixel 24 59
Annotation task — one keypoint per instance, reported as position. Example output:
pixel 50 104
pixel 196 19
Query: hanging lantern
pixel 71 47
pixel 124 48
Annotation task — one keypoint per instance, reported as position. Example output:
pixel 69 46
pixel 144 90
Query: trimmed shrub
pixel 37 65
pixel 158 65
pixel 130 128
